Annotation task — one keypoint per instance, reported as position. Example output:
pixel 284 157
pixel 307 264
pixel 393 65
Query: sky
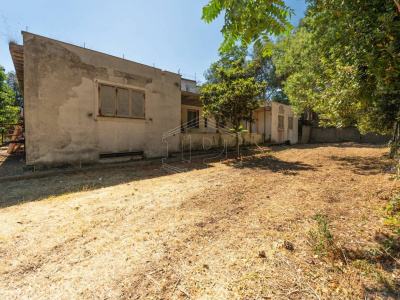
pixel 169 35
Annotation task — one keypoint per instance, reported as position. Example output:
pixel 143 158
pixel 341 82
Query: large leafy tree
pixel 265 71
pixel 8 107
pixel 298 65
pixel 234 96
pixel 343 61
pixel 225 61
pixel 248 21
pixel 12 82
pixel 359 44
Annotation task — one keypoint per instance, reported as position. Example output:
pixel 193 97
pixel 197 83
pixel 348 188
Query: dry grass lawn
pixel 143 233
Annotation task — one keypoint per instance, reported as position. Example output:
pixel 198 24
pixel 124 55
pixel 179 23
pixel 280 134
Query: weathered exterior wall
pixel 188 85
pixel 61 104
pixel 348 134
pixel 202 129
pixel 205 141
pixel 263 123
pixel 305 137
pixel 281 135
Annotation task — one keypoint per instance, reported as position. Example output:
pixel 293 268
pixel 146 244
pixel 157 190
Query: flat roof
pixel 25 32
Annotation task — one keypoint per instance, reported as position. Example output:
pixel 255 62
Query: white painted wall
pixel 188 85
pixel 286 133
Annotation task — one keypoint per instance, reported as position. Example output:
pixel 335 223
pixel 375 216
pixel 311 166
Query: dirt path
pixel 145 234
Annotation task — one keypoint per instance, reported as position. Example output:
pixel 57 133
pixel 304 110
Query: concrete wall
pixel 281 135
pixel 352 134
pixel 202 129
pixel 263 123
pixel 61 104
pixel 205 141
pixel 305 137
pixel 188 85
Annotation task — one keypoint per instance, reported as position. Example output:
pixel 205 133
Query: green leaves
pixel 343 62
pixel 248 21
pixel 233 94
pixel 8 106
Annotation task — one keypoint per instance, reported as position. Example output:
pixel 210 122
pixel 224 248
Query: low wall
pixel 305 136
pixel 348 134
pixel 205 141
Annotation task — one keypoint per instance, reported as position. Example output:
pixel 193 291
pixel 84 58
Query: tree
pixel 234 96
pixel 8 107
pixel 343 63
pixel 225 61
pixel 250 21
pixel 359 42
pixel 266 72
pixel 297 63
pixel 12 82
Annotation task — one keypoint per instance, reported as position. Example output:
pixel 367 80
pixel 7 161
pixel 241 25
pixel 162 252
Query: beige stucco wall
pixel 61 104
pixel 277 135
pixel 263 123
pixel 202 129
pixel 205 141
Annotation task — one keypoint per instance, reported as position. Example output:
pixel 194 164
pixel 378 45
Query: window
pixel 193 119
pixel 290 123
pixel 187 89
pixel 120 102
pixel 281 109
pixel 281 122
pixel 205 122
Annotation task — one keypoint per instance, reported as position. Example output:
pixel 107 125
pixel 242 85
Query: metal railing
pixel 7 131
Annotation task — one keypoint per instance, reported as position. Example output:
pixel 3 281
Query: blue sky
pixel 169 34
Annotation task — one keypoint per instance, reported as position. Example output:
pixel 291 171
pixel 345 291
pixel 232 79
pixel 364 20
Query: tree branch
pixel 398 5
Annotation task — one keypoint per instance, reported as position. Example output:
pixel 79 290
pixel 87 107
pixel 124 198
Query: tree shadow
pixel 11 164
pixel 362 165
pixel 80 180
pixel 282 147
pixel 371 262
pixel 271 163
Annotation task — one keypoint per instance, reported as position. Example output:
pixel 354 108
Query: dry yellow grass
pixel 142 233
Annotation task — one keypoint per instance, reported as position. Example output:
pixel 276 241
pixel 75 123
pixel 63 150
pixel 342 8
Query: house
pixel 81 105
pixel 274 122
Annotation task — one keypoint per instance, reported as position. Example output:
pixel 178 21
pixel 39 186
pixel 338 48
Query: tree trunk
pixel 237 139
pixel 237 145
pixel 395 143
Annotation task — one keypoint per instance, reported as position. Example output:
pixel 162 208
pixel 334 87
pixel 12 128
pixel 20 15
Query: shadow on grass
pixel 362 165
pixel 271 163
pixel 371 263
pixel 22 191
pixel 12 164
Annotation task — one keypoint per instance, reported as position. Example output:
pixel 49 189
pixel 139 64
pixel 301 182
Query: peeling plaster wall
pixel 61 104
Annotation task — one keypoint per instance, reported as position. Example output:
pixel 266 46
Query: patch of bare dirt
pixel 215 232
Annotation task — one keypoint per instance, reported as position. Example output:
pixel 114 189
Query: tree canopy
pixel 8 107
pixel 233 96
pixel 343 61
pixel 250 21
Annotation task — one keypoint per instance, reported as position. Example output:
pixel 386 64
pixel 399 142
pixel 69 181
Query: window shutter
pixel 123 103
pixel 107 100
pixel 281 122
pixel 137 104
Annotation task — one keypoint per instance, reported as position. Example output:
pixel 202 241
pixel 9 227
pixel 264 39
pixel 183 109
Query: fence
pixel 7 131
